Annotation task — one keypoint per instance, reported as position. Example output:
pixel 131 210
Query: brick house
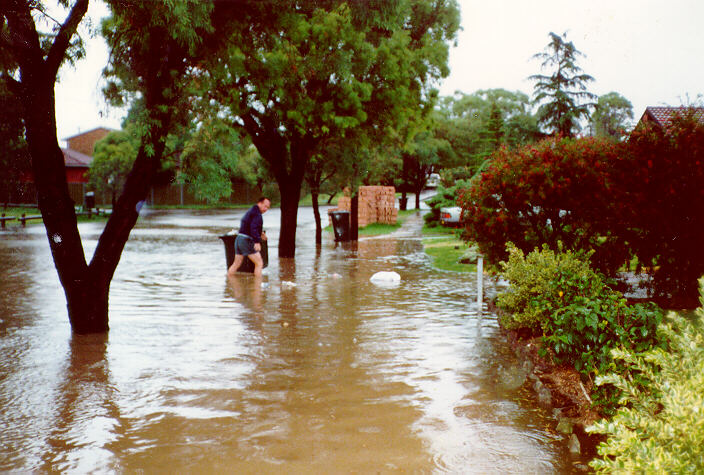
pixel 77 159
pixel 78 156
pixel 85 142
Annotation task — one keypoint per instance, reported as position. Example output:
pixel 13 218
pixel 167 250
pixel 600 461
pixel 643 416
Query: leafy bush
pixel 584 331
pixel 556 192
pixel 541 283
pixel 580 316
pixel 643 198
pixel 660 425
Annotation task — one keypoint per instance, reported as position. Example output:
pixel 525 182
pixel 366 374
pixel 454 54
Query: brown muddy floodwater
pixel 316 371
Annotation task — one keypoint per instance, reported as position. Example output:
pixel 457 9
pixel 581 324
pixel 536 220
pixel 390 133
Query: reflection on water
pixel 313 369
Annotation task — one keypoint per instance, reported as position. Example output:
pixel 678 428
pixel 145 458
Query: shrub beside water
pixel 650 373
pixel 659 427
pixel 580 317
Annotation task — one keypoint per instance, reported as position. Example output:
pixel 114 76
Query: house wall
pixel 76 175
pixel 85 142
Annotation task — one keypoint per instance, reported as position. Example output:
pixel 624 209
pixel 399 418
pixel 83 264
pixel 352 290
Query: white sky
pixel 649 51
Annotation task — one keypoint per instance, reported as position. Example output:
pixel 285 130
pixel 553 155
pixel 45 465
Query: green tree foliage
pixel 476 124
pixel 612 116
pixel 296 75
pixel 113 159
pixel 556 192
pixel 659 427
pixel 494 135
pixel 561 93
pixel 211 160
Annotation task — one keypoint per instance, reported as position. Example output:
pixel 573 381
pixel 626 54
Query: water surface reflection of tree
pixel 87 422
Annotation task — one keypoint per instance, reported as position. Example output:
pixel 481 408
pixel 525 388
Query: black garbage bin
pixel 89 200
pixel 341 225
pixel 247 265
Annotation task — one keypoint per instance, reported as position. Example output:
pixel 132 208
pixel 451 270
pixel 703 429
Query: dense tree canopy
pixel 297 75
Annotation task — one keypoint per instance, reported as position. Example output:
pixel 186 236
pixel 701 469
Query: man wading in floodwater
pixel 249 238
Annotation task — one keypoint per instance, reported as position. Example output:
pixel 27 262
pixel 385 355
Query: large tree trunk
pixel 86 286
pixel 290 195
pixel 288 160
pixel 86 293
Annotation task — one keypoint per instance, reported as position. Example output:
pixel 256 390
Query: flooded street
pixel 316 371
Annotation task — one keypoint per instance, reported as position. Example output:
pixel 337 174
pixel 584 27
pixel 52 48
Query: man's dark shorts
pixel 244 245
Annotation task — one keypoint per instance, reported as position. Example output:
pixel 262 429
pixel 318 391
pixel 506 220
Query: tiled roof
pixel 76 159
pixel 664 115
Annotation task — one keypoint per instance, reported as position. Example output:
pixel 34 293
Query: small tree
pixel 113 159
pixel 612 116
pixel 562 91
pixel 211 160
pixel 419 159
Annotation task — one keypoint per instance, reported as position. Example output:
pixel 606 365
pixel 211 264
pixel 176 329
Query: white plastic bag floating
pixel 386 278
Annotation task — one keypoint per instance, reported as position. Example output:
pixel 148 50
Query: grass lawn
pixel 18 212
pixel 445 246
pixel 446 252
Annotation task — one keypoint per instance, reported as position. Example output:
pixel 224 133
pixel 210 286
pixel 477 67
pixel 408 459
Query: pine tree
pixel 561 92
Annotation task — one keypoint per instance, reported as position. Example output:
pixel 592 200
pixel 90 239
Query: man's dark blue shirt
pixel 252 223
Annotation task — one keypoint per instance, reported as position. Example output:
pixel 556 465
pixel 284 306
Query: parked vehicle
pixel 451 216
pixel 433 181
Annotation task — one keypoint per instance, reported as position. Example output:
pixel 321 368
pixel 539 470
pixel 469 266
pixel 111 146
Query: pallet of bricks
pixel 376 204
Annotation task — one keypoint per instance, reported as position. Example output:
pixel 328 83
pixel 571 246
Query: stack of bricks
pixel 377 204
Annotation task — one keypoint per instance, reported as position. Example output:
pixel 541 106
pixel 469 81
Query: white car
pixel 451 215
pixel 433 181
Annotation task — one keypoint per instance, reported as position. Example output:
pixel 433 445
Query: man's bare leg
pixel 256 258
pixel 235 265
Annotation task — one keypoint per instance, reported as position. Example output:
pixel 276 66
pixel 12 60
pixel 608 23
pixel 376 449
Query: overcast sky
pixel 651 52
